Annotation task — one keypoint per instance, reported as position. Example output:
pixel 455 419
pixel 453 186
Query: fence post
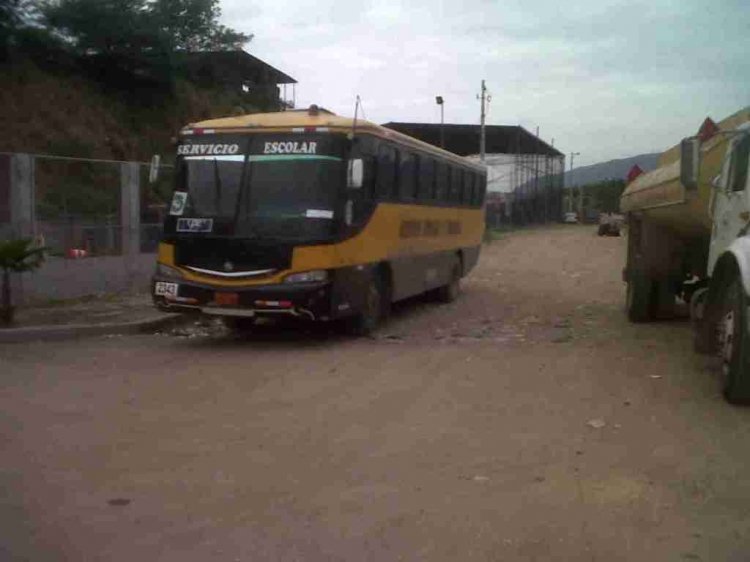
pixel 130 212
pixel 22 215
pixel 22 210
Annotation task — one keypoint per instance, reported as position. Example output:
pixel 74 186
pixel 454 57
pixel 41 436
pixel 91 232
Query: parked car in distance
pixel 570 218
pixel 609 224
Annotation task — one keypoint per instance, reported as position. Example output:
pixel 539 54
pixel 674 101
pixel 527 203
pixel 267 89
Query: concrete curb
pixel 70 331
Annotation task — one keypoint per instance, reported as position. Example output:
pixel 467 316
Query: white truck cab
pixel 721 308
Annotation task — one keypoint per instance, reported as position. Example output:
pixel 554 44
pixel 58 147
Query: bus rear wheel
pixel 450 291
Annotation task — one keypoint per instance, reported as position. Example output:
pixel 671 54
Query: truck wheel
pixel 640 298
pixel 734 344
pixel 366 321
pixel 450 291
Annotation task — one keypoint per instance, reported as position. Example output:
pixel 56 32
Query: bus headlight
pixel 168 272
pixel 307 276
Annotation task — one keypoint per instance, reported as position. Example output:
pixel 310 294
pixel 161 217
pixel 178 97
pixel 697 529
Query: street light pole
pixel 570 197
pixel 439 101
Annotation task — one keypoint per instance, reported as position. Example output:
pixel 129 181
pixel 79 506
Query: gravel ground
pixel 526 421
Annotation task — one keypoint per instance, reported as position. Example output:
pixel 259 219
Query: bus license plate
pixel 163 289
pixel 227 299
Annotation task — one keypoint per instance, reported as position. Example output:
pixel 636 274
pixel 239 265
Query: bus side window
pixel 456 184
pixel 426 179
pixel 386 171
pixel 468 196
pixel 406 177
pixel 397 156
pixel 442 181
pixel 482 189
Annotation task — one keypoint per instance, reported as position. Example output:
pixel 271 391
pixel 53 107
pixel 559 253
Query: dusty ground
pixel 527 421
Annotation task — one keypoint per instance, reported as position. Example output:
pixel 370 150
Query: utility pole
pixel 570 195
pixel 485 97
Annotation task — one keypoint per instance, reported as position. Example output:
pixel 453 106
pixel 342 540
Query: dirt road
pixel 526 421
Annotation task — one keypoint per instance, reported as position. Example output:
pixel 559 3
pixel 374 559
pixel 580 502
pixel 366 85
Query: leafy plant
pixel 16 256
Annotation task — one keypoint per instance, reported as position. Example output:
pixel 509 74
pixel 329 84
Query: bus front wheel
pixel 366 321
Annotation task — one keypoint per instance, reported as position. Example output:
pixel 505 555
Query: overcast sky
pixel 608 79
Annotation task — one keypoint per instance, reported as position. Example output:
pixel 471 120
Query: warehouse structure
pixel 525 174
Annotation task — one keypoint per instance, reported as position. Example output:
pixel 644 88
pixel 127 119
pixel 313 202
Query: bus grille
pixel 232 255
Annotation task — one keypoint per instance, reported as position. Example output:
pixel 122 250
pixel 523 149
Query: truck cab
pixel 720 308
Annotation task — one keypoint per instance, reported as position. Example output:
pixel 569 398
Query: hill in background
pixel 610 170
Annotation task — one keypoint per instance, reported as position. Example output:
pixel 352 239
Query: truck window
pixel 738 175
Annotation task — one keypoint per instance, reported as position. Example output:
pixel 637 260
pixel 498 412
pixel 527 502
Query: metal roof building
pixel 464 139
pixel 240 71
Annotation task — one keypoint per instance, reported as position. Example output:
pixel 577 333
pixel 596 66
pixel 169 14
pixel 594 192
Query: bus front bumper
pixel 303 300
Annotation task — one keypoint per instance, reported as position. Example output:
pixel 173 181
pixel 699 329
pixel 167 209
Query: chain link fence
pixel 524 188
pixel 78 205
pixel 100 220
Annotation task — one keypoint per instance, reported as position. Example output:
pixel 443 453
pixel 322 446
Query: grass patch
pixel 497 233
pixel 55 303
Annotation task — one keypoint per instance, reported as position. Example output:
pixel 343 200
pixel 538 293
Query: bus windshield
pixel 288 195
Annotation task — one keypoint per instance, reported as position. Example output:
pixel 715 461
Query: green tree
pixel 603 196
pixel 193 25
pixel 134 28
pixel 103 27
pixel 16 256
pixel 18 27
pixel 128 43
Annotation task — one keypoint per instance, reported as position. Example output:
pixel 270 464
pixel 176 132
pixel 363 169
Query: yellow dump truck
pixel 688 239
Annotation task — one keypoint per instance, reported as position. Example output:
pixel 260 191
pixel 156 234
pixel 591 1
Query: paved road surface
pixel 527 421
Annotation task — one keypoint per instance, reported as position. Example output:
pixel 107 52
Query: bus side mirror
pixel 355 174
pixel 689 161
pixel 153 172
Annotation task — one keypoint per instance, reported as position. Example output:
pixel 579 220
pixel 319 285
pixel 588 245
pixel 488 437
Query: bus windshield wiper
pixel 243 176
pixel 217 182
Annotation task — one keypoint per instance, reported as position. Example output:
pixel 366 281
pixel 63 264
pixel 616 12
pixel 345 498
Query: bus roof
pixel 318 117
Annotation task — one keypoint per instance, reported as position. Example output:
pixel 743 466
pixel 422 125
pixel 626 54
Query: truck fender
pixel 740 251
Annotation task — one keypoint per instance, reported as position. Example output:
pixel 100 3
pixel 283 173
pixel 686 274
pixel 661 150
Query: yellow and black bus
pixel 308 214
